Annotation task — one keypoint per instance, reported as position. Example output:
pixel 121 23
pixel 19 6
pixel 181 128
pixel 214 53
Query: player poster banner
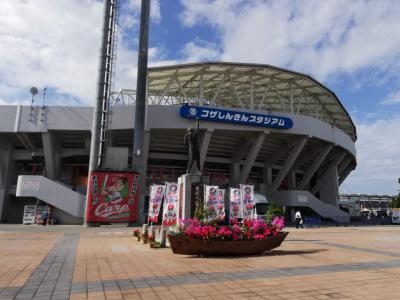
pixel 235 209
pixel 156 197
pixel 210 202
pixel 247 192
pixel 113 197
pixel 171 204
pixel 220 205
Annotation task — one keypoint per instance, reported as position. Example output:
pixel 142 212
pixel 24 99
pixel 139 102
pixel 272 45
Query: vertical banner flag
pixel 248 201
pixel 210 201
pixel 235 208
pixel 113 197
pixel 156 197
pixel 220 205
pixel 171 204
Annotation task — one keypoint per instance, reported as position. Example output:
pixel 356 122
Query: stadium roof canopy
pixel 247 86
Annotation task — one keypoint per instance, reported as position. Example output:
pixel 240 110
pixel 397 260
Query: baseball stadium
pixel 279 130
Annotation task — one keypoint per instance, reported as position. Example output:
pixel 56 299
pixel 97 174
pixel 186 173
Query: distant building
pixel 361 204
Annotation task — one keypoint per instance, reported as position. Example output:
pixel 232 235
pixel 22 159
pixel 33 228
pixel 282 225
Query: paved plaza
pixel 72 262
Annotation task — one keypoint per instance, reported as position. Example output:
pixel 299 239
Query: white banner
pixel 248 201
pixel 156 197
pixel 171 204
pixel 210 201
pixel 220 205
pixel 235 202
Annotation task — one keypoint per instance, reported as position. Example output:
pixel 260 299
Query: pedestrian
pixel 298 219
pixel 44 217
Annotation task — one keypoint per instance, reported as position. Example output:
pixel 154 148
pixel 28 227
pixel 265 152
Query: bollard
pixel 145 229
pixel 145 233
pixel 163 238
pixel 152 232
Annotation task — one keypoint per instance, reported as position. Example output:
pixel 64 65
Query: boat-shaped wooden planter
pixel 191 246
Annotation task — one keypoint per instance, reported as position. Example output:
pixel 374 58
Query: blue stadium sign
pixel 234 117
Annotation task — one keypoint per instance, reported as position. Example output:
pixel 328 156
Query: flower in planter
pixel 250 230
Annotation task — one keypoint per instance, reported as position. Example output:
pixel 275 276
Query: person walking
pixel 298 219
pixel 44 217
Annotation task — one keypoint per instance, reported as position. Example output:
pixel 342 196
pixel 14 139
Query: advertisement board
pixel 113 196
pixel 156 198
pixel 235 117
pixel 29 214
pixel 247 192
pixel 236 206
pixel 210 201
pixel 171 204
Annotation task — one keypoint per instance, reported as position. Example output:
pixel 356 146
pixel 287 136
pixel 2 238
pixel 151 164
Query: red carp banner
pixel 113 197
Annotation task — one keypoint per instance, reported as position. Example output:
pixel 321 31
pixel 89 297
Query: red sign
pixel 113 197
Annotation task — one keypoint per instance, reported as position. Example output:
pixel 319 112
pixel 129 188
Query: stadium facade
pixel 300 165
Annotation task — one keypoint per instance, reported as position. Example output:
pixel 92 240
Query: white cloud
pixel 378 159
pixel 324 38
pixel 55 44
pixel 199 50
pixel 393 98
pixel 51 44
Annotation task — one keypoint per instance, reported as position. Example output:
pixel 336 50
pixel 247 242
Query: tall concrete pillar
pixel 329 190
pixel 5 175
pixel 51 152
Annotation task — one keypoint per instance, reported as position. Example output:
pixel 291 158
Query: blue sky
pixel 353 47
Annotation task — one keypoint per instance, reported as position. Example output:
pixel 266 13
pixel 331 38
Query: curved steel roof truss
pixel 247 86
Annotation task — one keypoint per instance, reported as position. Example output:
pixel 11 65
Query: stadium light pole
pixel 94 157
pixel 141 102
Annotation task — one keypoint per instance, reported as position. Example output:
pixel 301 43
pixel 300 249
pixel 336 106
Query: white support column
pixel 332 168
pixel 205 142
pixel 237 159
pixel 5 171
pixel 251 157
pixel 51 152
pixel 267 179
pixel 314 167
pixel 288 164
pixel 328 192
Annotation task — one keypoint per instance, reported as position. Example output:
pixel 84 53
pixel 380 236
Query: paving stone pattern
pixel 108 263
pixel 53 277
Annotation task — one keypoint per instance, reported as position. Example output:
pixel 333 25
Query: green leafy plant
pixel 274 210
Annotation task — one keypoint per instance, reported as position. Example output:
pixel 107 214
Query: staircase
pixel 51 192
pixel 299 198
